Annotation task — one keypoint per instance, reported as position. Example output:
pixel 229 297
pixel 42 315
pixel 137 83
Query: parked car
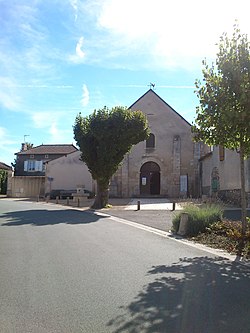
pixel 64 194
pixel 90 194
pixel 61 194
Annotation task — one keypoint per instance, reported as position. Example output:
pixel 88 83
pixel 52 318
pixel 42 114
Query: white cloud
pixel 169 33
pixel 79 55
pixel 6 139
pixel 85 96
pixel 7 101
pixel 2 133
pixel 52 125
pixel 9 98
pixel 79 51
pixel 74 4
pixel 54 131
pixel 44 119
pixel 58 135
pixel 8 147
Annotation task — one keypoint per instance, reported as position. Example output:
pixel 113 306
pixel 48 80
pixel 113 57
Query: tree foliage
pixel 104 138
pixel 29 145
pixel 223 116
pixel 3 181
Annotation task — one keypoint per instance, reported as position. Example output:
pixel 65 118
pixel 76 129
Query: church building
pixel 167 163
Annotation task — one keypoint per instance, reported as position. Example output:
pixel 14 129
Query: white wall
pixel 229 170
pixel 68 172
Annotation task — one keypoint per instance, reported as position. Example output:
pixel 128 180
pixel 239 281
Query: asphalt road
pixel 64 270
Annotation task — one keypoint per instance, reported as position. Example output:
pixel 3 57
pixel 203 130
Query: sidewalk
pixel 155 212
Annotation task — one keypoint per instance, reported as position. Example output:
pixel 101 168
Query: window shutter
pixel 38 165
pixel 25 166
pixel 41 166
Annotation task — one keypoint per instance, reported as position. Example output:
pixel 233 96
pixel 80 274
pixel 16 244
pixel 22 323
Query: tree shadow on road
pixel 195 295
pixel 49 217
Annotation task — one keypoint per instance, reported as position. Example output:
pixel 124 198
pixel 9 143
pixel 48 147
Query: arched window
pixel 150 143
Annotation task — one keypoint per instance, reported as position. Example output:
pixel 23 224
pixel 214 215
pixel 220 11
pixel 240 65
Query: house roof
pixel 4 166
pixel 49 149
pixel 152 91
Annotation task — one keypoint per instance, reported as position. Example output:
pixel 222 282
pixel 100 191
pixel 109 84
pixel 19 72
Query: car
pixel 91 194
pixel 60 193
pixel 64 194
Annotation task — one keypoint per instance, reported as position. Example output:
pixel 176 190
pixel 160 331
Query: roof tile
pixel 49 149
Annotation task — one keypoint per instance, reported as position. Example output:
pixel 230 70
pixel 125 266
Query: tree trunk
pixel 243 192
pixel 102 195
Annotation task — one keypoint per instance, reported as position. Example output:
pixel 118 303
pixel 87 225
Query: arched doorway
pixel 150 179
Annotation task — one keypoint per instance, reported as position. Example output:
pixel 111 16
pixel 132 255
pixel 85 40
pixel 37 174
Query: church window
pixel 150 143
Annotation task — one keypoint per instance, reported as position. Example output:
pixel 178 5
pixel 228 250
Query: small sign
pixel 183 183
pixel 144 181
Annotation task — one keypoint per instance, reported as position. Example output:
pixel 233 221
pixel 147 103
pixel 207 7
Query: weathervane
pixel 151 85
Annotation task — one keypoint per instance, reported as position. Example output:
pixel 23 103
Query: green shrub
pixel 3 181
pixel 199 218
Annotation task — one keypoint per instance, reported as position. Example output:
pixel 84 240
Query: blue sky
pixel 62 57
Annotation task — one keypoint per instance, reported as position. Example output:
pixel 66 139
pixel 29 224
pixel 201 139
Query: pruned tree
pixel 223 116
pixel 104 138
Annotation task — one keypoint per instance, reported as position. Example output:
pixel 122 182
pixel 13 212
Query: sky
pixel 62 57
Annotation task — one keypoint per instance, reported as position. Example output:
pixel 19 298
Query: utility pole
pixel 24 138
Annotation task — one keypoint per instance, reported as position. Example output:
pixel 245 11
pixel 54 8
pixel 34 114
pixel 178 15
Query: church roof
pixel 150 91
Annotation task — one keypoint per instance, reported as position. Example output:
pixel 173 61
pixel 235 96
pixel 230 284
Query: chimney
pixel 24 147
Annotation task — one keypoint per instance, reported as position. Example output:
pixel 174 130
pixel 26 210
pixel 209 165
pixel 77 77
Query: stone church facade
pixel 167 164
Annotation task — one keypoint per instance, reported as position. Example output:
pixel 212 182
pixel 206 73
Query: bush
pixel 199 218
pixel 227 235
pixel 3 181
pixel 230 229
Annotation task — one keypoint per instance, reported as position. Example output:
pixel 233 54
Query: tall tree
pixel 104 138
pixel 223 116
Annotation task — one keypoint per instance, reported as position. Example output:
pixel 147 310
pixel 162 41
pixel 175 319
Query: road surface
pixel 64 270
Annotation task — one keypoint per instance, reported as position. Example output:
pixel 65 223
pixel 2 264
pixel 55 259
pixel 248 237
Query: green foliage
pixel 223 116
pixel 104 138
pixel 29 145
pixel 199 218
pixel 3 181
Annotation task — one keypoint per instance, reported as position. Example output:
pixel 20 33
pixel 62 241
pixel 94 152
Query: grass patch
pixel 199 218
